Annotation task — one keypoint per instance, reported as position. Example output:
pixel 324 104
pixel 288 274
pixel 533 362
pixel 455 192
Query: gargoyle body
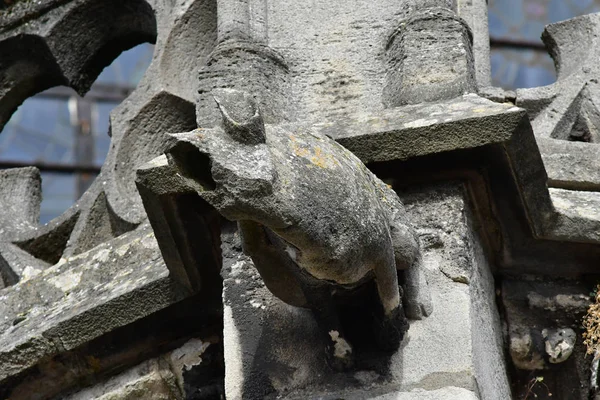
pixel 313 218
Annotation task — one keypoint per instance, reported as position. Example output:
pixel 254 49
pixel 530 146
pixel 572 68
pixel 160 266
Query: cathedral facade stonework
pixel 207 260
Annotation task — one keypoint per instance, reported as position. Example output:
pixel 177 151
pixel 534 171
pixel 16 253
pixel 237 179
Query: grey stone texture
pixel 448 393
pixel 270 346
pixel 571 165
pixel 567 108
pixel 475 14
pixel 314 220
pixel 544 330
pixel 113 286
pixel 150 380
pixel 161 378
pixel 565 119
pixel 429 58
pixel 122 295
pixel 73 302
pixel 334 218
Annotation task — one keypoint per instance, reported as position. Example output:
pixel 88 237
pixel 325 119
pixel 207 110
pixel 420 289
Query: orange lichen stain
pixel 317 156
pixel 301 151
pixel 319 159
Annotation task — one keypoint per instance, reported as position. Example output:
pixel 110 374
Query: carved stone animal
pixel 313 218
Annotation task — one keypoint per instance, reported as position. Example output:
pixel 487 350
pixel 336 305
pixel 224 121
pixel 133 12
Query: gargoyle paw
pixel 417 294
pixel 392 331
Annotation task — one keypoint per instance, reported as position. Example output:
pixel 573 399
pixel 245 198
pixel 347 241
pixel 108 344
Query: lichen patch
pixel 66 281
pixel 341 347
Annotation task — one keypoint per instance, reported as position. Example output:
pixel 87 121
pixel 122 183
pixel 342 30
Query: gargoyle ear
pixel 241 116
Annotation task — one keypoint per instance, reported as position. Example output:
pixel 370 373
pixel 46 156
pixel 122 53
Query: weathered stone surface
pixel 559 344
pixel 323 63
pixel 447 393
pixel 20 192
pixel 568 111
pixel 562 109
pixel 578 215
pixel 81 298
pixel 152 380
pixel 52 50
pixel 251 66
pixel 543 320
pixel 413 131
pixel 18 12
pixel 450 393
pixel 188 372
pixel 445 212
pixel 181 220
pixel 17 264
pixel 336 68
pixel 430 130
pixel 198 368
pixel 571 165
pixel 495 94
pixel 475 13
pixel 310 244
pixel 425 66
pixel 270 347
pixel 110 291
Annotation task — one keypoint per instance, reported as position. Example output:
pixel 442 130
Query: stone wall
pixel 141 290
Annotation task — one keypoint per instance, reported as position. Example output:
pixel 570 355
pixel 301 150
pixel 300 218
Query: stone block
pixel 73 303
pixel 571 165
pixel 189 372
pixel 151 380
pixel 448 393
pixel 578 215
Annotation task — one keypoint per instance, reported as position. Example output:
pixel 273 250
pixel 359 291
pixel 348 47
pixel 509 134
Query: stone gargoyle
pixel 315 221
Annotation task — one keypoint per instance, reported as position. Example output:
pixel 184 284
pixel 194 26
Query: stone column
pixel 429 55
pixel 242 19
pixel 243 60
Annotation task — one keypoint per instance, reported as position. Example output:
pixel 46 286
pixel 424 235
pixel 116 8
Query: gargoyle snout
pixel 242 119
pixel 194 165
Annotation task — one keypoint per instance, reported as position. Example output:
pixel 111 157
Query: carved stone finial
pixel 242 120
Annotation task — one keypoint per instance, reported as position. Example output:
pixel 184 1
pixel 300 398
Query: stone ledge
pixel 80 299
pixel 414 131
pixel 571 165
pixel 578 215
pixel 446 393
pixel 493 137
pixel 190 371
pixel 151 380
